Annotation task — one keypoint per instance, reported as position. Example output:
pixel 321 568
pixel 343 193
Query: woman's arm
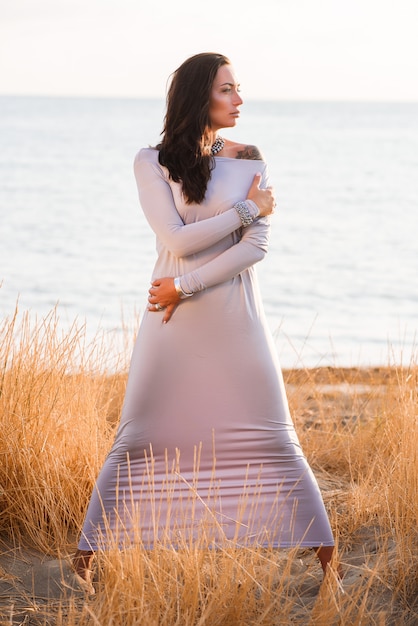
pixel 249 250
pixel 157 202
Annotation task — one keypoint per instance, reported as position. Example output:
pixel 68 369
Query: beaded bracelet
pixel 244 213
pixel 177 287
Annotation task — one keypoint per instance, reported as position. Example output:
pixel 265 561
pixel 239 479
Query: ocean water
pixel 340 283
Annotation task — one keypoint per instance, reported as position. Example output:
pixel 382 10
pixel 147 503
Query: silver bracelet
pixel 244 213
pixel 177 287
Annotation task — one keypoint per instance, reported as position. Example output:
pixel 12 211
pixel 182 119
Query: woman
pixel 206 445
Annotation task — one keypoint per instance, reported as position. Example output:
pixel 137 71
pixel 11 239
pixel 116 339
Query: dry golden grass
pixel 60 397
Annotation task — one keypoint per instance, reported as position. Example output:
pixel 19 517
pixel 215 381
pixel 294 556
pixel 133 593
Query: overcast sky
pixel 281 49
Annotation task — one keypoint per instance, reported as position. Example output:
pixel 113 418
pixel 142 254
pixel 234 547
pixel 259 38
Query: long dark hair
pixel 184 149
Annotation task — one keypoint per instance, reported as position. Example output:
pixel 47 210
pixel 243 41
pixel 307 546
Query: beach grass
pixel 60 399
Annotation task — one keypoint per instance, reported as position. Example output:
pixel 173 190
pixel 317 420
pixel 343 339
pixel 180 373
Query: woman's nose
pixel 238 100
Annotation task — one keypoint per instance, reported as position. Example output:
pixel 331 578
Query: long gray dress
pixel 206 449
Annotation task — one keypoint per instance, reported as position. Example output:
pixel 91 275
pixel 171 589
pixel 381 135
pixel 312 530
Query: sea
pixel 340 282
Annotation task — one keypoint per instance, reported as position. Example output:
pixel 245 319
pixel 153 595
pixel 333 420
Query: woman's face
pixel 224 99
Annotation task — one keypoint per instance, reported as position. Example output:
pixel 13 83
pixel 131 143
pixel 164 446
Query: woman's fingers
pixel 168 312
pixel 163 297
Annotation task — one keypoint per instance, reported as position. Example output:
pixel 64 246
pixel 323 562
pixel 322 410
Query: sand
pixel 33 586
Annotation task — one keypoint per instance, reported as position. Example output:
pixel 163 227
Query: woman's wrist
pixel 253 207
pixel 247 210
pixel 181 293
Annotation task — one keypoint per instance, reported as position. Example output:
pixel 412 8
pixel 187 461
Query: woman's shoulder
pixel 242 151
pixel 147 154
pixel 146 163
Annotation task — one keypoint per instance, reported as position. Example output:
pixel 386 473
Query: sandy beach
pixel 35 588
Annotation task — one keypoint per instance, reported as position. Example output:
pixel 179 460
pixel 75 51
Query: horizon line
pixel 283 100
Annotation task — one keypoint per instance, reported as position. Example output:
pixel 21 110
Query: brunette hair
pixel 184 147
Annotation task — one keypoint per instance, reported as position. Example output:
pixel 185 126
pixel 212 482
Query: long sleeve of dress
pixel 249 250
pixel 157 202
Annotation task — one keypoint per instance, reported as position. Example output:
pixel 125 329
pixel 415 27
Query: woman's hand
pixel 264 198
pixel 163 297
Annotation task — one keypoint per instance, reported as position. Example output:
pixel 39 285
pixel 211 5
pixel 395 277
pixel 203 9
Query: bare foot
pixel 82 562
pixel 325 555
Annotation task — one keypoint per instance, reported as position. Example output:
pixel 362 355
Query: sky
pixel 280 49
